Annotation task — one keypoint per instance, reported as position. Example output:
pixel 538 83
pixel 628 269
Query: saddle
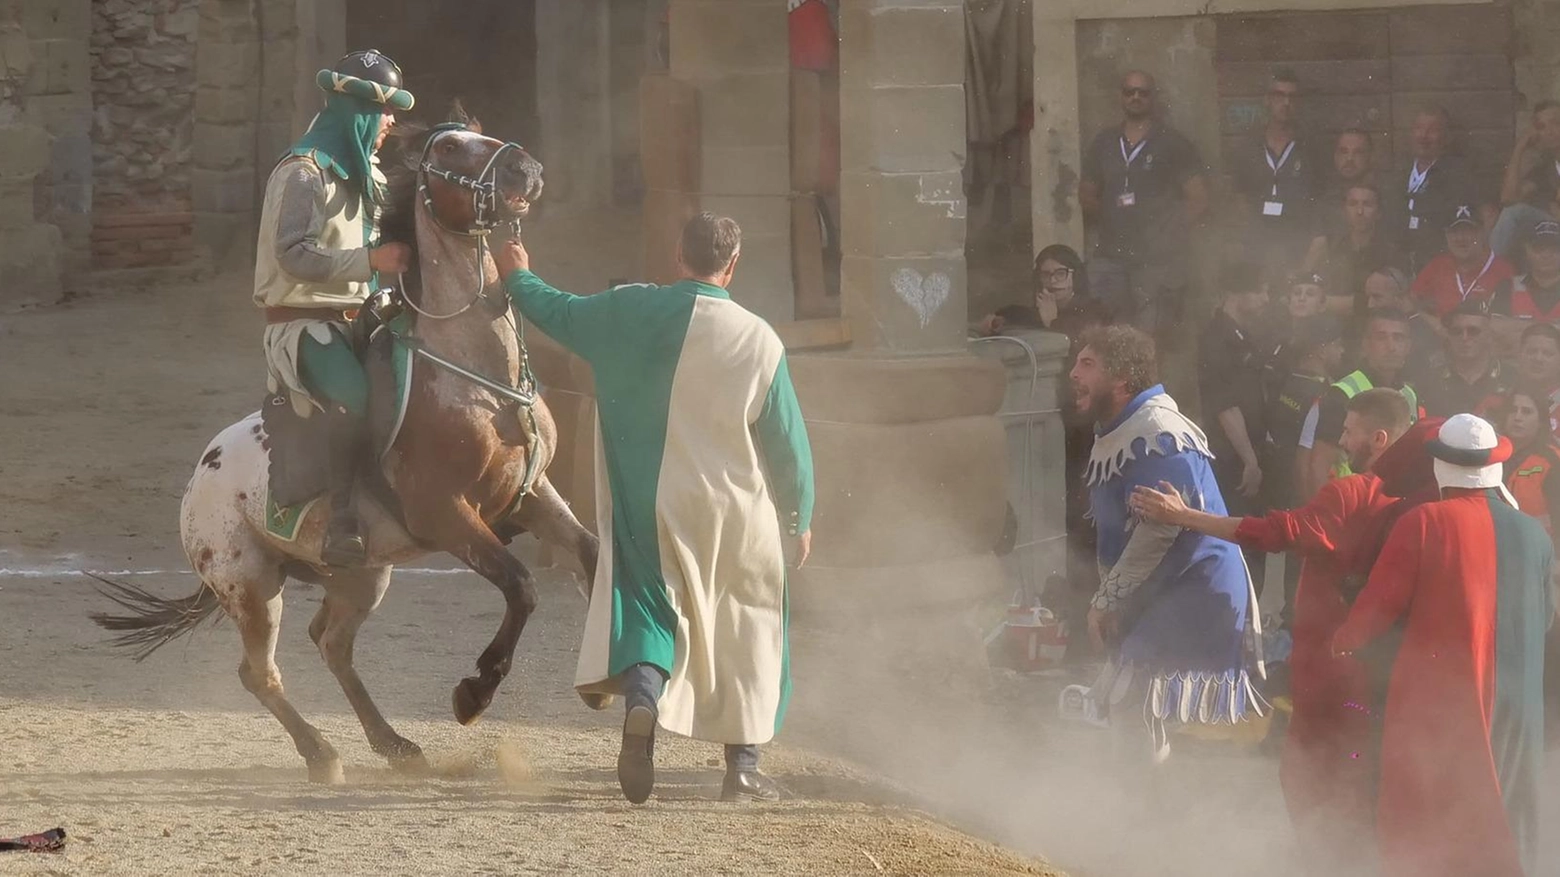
pixel 298 463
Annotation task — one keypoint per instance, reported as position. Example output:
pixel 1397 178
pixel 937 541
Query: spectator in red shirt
pixel 1468 270
pixel 1534 296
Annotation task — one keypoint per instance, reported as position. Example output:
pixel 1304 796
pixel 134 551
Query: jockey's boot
pixel 344 543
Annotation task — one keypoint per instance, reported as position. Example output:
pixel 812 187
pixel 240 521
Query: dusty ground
pixel 170 767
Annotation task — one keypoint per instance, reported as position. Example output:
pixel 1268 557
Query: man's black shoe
pixel 636 758
pixel 749 785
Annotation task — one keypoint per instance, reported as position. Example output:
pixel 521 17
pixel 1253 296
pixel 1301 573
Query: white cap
pixel 1469 453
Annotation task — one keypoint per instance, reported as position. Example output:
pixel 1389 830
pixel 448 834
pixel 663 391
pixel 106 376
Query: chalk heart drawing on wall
pixel 925 294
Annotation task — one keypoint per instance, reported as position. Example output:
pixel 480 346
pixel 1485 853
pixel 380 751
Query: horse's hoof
pixel 404 757
pixel 415 764
pixel 597 702
pixel 327 772
pixel 469 702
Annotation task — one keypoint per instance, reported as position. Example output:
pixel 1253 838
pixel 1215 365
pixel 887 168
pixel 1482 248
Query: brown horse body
pixel 462 455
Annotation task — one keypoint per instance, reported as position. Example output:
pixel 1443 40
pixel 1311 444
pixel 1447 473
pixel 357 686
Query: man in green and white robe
pixel 703 469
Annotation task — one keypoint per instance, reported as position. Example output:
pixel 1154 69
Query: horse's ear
pixel 458 114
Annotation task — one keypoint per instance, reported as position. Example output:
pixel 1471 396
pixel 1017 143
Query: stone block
pixel 224 105
pixel 226 65
pixel 904 46
pixel 59 67
pixel 26 150
pixel 230 191
pixel 1468 109
pixel 61 114
pixel 57 19
pixel 899 130
pixel 763 280
pixel 16 202
pixel 746 170
pixel 759 216
pixel 907 389
pixel 902 214
pixel 30 264
pixel 713 38
pixel 750 109
pixel 225 147
pixel 905 305
pixel 225 22
pixel 16 54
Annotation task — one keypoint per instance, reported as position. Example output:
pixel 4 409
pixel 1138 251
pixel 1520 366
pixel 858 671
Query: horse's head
pixel 468 181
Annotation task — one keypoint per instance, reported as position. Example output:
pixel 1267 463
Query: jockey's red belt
pixel 287 315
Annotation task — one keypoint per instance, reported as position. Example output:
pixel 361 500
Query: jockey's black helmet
pixel 372 65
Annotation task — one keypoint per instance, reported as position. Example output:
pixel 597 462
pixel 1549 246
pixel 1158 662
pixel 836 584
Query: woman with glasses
pixel 1060 302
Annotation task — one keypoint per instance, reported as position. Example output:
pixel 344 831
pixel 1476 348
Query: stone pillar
pixel 902 191
pixel 1055 144
pixel 254 67
pixel 736 52
pixel 909 459
pixel 227 92
pixel 59 99
pixel 574 103
pixel 30 250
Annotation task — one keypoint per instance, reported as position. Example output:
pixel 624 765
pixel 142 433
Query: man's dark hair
pixel 1468 308
pixel 1434 110
pixel 1383 408
pixel 1545 330
pixel 1390 315
pixel 709 243
pixel 1545 104
pixel 1370 142
pixel 1286 75
pixel 1361 184
pixel 1127 355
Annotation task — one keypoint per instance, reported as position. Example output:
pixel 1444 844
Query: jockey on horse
pixel 319 258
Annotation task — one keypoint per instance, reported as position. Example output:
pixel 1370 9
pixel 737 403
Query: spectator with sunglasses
pixel 1473 379
pixel 1142 188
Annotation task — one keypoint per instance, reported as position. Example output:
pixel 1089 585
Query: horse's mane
pixel 398 161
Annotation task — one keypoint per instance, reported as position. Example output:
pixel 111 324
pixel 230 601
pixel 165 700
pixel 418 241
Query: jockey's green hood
pixel 361 88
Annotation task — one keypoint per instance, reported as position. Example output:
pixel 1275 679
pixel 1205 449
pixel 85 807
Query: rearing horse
pixel 465 451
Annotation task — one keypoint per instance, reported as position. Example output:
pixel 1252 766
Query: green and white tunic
pixel 702 460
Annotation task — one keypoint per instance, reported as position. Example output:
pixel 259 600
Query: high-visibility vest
pixel 1356 383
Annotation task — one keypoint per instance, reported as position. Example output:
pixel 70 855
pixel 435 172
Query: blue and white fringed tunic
pixel 1185 601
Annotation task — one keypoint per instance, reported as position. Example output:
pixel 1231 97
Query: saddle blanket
pixel 387 409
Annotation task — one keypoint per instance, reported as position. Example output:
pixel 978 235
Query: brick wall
pixel 143 87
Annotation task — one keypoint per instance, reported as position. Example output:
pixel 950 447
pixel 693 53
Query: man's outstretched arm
pixel 578 322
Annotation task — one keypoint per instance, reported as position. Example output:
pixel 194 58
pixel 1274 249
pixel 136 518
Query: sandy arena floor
pixel 171 767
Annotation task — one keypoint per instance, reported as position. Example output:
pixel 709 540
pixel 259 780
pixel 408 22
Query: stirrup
pixel 343 547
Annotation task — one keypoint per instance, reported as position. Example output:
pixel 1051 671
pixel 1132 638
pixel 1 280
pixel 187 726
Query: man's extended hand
pixel 803 549
pixel 510 256
pixel 392 258
pixel 1102 627
pixel 1250 480
pixel 1162 506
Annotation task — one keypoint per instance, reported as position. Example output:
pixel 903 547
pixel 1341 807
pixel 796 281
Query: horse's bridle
pixel 484 206
pixel 484 187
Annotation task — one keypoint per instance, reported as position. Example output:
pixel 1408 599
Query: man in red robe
pixel 1467 578
pixel 1327 766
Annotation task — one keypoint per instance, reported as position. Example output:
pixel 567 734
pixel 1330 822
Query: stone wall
pixel 143 89
pixel 45 177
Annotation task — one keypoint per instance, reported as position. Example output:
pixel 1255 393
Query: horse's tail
pixel 153 621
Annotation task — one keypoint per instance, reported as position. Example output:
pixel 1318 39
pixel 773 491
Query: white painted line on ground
pixel 28 573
